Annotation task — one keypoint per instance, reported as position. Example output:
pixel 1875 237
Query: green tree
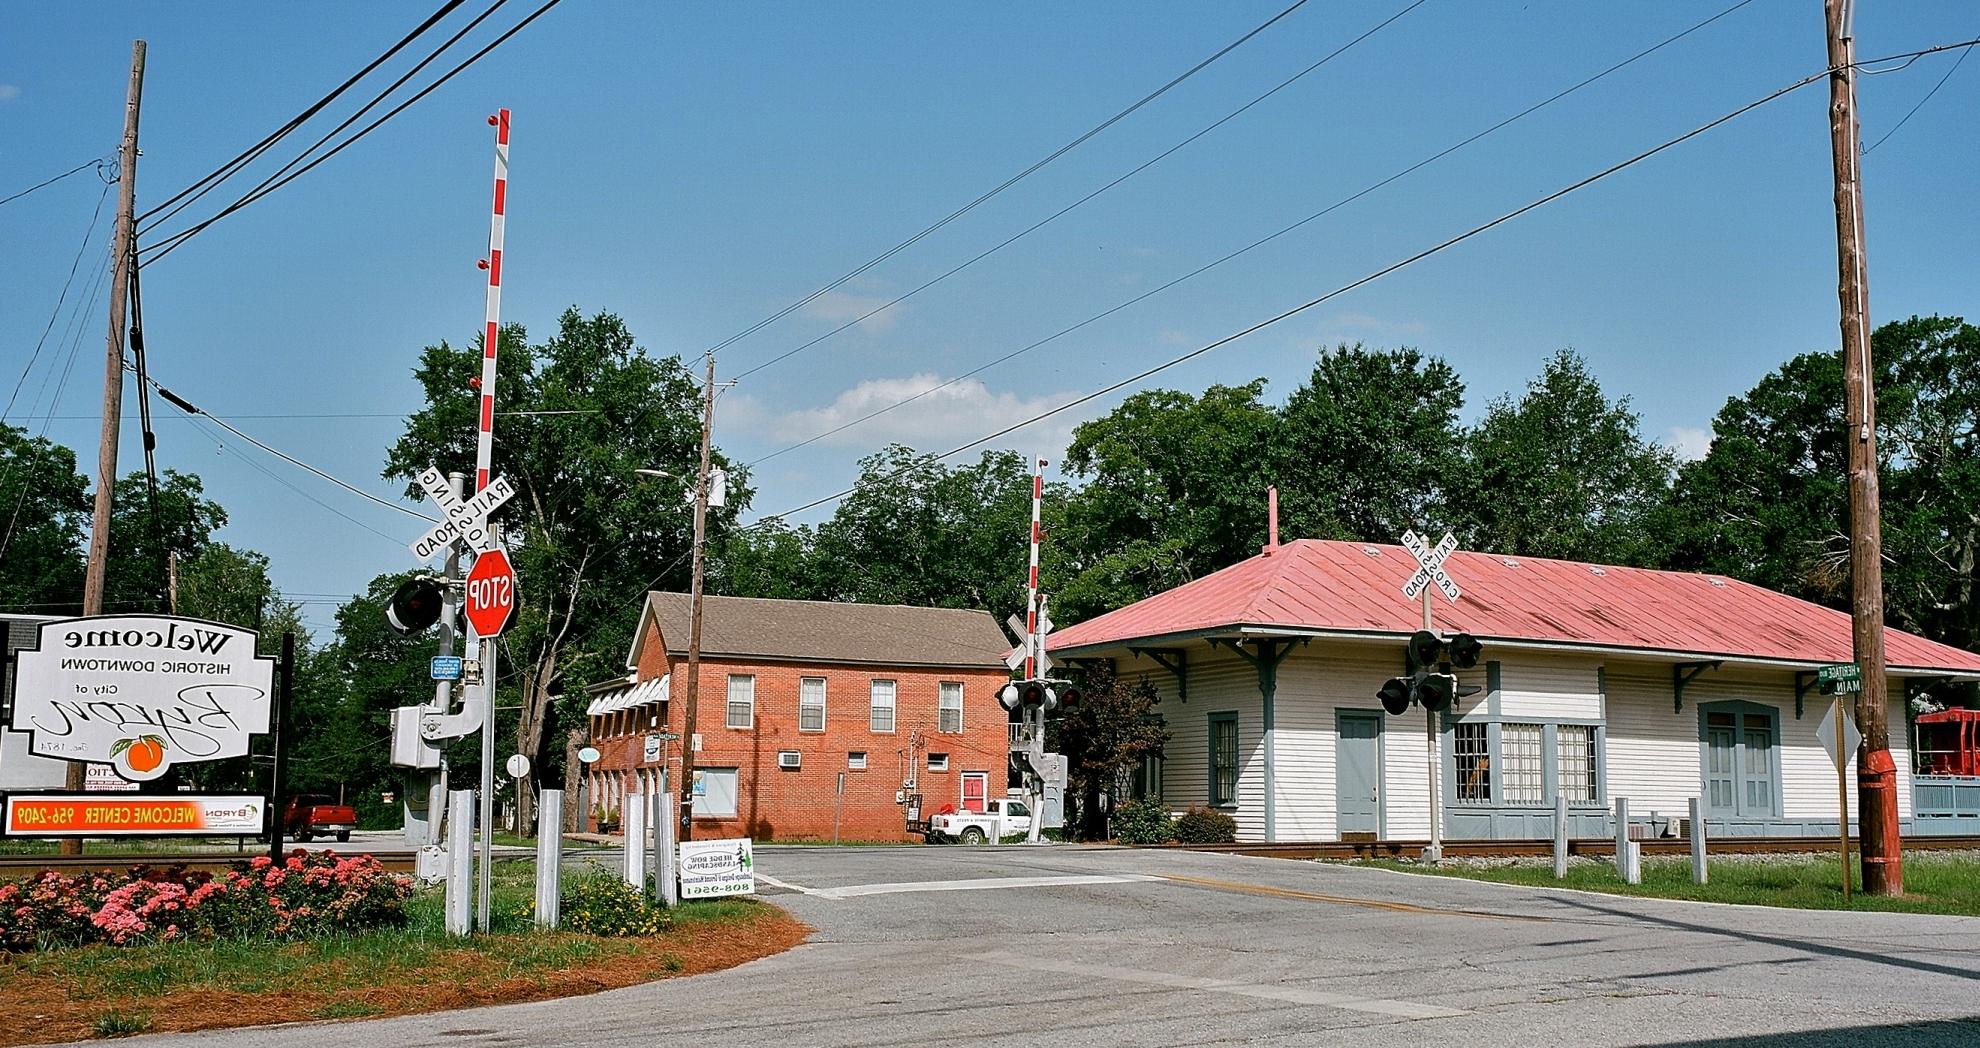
pixel 915 531
pixel 577 415
pixel 1929 433
pixel 1563 471
pixel 44 517
pixel 768 559
pixel 1369 446
pixel 1174 488
pixel 135 578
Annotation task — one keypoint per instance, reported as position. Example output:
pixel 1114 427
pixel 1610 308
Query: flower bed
pixel 308 894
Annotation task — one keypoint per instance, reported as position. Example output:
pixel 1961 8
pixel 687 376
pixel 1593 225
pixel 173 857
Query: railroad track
pixel 1410 849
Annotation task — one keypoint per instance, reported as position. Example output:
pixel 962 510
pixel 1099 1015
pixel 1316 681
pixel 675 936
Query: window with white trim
pixel 938 762
pixel 742 700
pixel 1472 749
pixel 856 760
pixel 1574 753
pixel 880 708
pixel 811 704
pixel 1522 778
pixel 949 712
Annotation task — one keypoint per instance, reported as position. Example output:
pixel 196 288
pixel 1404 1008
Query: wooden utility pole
pixel 113 371
pixel 1876 773
pixel 694 615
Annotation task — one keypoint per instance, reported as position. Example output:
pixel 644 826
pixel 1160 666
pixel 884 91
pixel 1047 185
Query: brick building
pixel 792 694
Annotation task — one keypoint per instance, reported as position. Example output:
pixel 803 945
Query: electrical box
pixel 408 749
pixel 430 864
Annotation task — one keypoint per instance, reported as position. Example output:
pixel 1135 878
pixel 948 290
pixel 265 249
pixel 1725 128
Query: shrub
pixel 1206 826
pixel 600 903
pixel 303 896
pixel 1143 822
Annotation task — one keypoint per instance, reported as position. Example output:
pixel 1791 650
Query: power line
pixel 97 163
pixel 169 244
pixel 1921 103
pixel 187 406
pixel 1007 183
pixel 1028 230
pixel 1377 274
pixel 1261 241
pixel 279 479
pixel 89 231
pixel 381 96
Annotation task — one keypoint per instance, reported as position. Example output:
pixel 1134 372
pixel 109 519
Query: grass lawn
pixel 102 991
pixel 1934 882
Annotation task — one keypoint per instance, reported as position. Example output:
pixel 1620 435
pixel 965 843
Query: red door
pixel 975 790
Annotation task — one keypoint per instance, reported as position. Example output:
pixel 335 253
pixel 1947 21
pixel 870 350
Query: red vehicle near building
pixel 1949 742
pixel 814 717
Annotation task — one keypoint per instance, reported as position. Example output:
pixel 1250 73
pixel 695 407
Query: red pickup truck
pixel 312 815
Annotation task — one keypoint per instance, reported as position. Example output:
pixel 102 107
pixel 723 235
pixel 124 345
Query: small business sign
pixel 141 693
pixel 160 815
pixel 651 751
pixel 711 868
pixel 446 667
pixel 102 777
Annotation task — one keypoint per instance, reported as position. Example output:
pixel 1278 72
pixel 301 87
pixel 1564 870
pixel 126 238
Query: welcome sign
pixel 142 692
pixel 168 815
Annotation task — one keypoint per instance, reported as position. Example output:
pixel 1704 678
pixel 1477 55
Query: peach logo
pixel 139 758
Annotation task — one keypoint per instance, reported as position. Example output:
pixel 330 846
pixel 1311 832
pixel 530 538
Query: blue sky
pixel 696 167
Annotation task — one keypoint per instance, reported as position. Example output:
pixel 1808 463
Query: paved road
pixel 1097 947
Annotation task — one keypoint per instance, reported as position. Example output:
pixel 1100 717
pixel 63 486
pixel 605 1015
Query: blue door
pixel 1358 774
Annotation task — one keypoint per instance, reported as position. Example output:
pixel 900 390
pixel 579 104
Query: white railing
pixel 1020 736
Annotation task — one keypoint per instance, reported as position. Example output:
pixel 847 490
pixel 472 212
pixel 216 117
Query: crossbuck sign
pixel 467 519
pixel 1430 566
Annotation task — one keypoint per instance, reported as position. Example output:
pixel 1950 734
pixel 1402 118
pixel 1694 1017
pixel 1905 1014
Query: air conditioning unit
pixel 789 759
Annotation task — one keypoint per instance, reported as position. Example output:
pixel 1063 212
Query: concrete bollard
pixel 1628 865
pixel 1560 836
pixel 665 865
pixel 458 900
pixel 1698 874
pixel 633 818
pixel 549 855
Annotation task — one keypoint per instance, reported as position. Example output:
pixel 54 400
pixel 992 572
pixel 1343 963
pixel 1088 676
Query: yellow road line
pixel 1373 904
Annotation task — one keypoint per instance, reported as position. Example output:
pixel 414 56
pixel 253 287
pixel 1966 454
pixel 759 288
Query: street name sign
pixel 491 594
pixel 466 519
pixel 1842 678
pixel 141 693
pixel 1430 566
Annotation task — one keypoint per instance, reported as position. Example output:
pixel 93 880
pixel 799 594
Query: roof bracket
pixel 1684 673
pixel 1804 682
pixel 1175 660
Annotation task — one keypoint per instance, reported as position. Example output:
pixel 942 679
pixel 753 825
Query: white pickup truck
pixel 1001 818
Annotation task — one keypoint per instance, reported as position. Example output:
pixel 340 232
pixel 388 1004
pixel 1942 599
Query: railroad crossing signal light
pixel 1010 697
pixel 1463 649
pixel 415 605
pixel 1430 683
pixel 1069 695
pixel 1030 694
pixel 1434 691
pixel 1394 694
pixel 1425 649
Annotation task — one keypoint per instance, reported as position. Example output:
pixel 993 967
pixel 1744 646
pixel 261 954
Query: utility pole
pixel 113 372
pixel 1876 776
pixel 694 614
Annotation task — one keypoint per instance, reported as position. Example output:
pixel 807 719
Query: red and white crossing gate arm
pixel 1035 644
pixel 485 442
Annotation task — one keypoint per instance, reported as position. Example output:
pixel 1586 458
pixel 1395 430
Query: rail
pixel 1410 849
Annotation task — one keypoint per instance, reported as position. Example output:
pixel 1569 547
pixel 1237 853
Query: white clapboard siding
pixel 1305 704
pixel 1219 684
pixel 1550 687
pixel 1653 752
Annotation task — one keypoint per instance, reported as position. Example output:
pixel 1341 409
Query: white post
pixel 1626 867
pixel 1560 836
pixel 666 867
pixel 549 855
pixel 460 862
pixel 633 820
pixel 1698 874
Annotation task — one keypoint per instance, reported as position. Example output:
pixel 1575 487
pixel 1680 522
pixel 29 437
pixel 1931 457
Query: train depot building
pixel 1595 682
pixel 796 697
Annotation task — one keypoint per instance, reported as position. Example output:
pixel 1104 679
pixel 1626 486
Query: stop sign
pixel 491 593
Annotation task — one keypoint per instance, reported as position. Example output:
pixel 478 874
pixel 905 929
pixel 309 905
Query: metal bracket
pixel 1175 660
pixel 1804 682
pixel 1684 673
pixel 434 727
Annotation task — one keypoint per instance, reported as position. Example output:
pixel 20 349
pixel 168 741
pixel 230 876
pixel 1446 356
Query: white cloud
pixel 1690 442
pixel 839 307
pixel 937 420
pixel 9 92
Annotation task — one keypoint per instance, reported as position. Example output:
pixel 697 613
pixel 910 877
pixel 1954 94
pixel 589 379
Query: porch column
pixel 1271 652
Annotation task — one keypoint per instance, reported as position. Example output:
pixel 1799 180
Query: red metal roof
pixel 1355 587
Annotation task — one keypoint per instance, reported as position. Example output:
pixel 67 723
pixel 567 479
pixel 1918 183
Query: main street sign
pixel 1842 678
pixel 1430 566
pixel 467 519
pixel 141 692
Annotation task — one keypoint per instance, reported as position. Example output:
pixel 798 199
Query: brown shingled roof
pixel 830 631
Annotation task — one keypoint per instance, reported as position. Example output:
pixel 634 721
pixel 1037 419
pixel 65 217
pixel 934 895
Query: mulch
pixel 43 1008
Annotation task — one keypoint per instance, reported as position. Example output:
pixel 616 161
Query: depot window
pixel 1223 759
